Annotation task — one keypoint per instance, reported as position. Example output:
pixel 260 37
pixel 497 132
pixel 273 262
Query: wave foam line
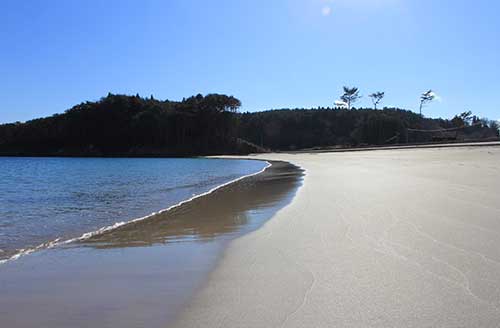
pixel 57 242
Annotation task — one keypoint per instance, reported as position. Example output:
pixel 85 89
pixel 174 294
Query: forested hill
pixel 290 129
pixel 120 125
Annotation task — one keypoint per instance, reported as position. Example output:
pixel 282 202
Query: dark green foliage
pixel 130 125
pixel 350 96
pixel 495 126
pixel 289 129
pixel 376 98
pixel 119 125
pixel 300 128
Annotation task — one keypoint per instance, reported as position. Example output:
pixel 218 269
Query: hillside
pixel 290 129
pixel 120 125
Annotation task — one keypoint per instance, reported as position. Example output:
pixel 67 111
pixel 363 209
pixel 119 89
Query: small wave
pixel 26 251
pixel 58 242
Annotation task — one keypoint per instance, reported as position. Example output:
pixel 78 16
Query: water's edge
pixel 144 273
pixel 222 253
pixel 58 242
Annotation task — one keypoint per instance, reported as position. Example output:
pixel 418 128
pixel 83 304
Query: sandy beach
pixel 250 164
pixel 389 238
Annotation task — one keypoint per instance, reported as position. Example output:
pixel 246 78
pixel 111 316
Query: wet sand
pixel 386 238
pixel 141 274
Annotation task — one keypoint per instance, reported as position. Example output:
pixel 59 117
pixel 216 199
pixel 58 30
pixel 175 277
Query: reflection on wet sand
pixel 142 274
pixel 223 213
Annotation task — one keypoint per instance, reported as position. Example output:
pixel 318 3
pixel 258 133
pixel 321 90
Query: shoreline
pixel 87 235
pixel 397 147
pixel 160 262
pixel 381 239
pixel 247 192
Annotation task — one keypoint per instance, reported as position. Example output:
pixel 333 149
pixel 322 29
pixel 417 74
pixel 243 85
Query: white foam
pixel 87 235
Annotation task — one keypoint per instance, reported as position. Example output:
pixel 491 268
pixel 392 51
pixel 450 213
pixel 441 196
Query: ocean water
pixel 44 199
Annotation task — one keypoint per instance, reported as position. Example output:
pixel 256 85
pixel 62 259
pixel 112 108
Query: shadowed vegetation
pixel 120 125
pixel 287 129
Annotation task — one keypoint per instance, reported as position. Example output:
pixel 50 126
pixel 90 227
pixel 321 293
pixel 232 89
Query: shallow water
pixel 42 199
pixel 143 273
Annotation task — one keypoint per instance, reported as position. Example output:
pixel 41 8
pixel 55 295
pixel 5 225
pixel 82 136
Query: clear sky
pixel 268 53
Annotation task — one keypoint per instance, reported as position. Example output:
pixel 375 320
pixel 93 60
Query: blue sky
pixel 268 53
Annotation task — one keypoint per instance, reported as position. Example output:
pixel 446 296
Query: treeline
pixel 289 129
pixel 131 125
pixel 119 125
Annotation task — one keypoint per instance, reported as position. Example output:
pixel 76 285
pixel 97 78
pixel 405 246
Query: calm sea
pixel 42 199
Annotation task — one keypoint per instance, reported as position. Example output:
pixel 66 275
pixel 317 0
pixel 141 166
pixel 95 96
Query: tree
pixel 495 126
pixel 350 96
pixel 377 98
pixel 461 120
pixel 457 121
pixel 426 98
pixel 467 117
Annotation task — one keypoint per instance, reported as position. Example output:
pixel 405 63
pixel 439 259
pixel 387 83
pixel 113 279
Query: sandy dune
pixel 391 238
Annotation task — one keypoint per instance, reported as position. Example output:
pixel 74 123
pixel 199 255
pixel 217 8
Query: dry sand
pixel 389 238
